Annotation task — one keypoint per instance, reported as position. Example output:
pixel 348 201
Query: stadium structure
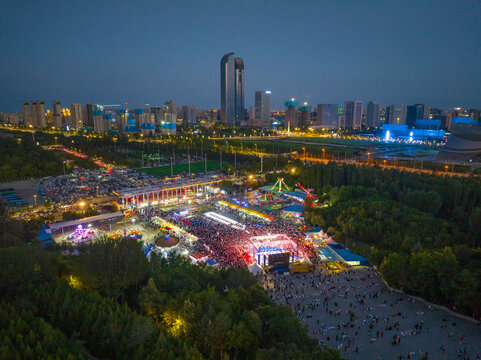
pixel 464 145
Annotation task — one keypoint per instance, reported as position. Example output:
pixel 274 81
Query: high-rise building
pixel 232 89
pixel 189 114
pixel 88 118
pixel 169 125
pixel 102 122
pixel 263 107
pixel 372 114
pixel 27 119
pixel 56 114
pixel 76 115
pixel 352 114
pixel 304 116
pixel 327 116
pixel 37 114
pixel 291 114
pixel 416 112
pixel 56 108
pixel 397 114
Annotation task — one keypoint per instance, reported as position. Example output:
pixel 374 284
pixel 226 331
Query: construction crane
pixel 108 106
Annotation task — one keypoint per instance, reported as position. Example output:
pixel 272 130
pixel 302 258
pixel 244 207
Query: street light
pixel 35 199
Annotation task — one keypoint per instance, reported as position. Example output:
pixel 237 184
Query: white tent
pixel 255 269
pixel 322 233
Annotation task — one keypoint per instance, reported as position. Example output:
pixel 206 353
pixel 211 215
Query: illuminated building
pixel 27 119
pixel 372 114
pixel 262 109
pixel 56 115
pixel 37 114
pixel 189 114
pixel 352 114
pixel 416 112
pixel 169 125
pixel 327 116
pixel 291 114
pixel 76 115
pixel 396 114
pixel 232 89
pixel 304 116
pixel 88 118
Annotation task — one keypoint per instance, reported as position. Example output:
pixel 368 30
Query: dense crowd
pixel 356 313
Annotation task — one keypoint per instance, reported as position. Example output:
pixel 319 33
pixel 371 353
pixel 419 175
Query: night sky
pixel 109 52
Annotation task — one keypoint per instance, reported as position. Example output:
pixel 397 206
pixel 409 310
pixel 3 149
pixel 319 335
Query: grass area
pixel 195 167
pixel 287 146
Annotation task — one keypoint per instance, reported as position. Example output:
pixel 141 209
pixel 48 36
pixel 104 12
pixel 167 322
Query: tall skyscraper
pixel 304 116
pixel 37 113
pixel 56 114
pixel 169 125
pixel 397 114
pixel 76 115
pixel 372 114
pixel 88 115
pixel 327 116
pixel 27 119
pixel 232 89
pixel 290 121
pixel 417 112
pixel 263 107
pixel 352 114
pixel 56 108
pixel 189 114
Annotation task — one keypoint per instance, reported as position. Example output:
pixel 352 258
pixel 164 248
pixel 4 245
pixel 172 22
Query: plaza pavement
pixel 363 293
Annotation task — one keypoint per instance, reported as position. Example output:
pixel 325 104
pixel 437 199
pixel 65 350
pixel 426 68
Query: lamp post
pixel 35 199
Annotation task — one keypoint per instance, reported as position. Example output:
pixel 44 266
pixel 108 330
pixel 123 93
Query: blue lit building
pixel 393 131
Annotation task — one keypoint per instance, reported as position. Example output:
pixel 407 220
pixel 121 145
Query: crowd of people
pixel 354 312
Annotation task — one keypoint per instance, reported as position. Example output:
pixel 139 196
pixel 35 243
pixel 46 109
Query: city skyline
pixel 57 51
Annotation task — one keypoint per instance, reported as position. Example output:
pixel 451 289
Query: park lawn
pixel 195 168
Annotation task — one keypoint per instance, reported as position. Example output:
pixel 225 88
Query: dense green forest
pixel 110 302
pixel 23 159
pixel 422 231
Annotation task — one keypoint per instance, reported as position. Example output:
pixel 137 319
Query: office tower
pixel 88 118
pixel 76 115
pixel 262 109
pixel 352 114
pixel 304 116
pixel 56 115
pixel 37 114
pixel 169 125
pixel 98 121
pixel 232 89
pixel 56 109
pixel 139 116
pixel 416 112
pixel 397 114
pixel 102 122
pixel 327 116
pixel 159 114
pixel 189 114
pixel 291 114
pixel 27 120
pixel 170 107
pixel 372 114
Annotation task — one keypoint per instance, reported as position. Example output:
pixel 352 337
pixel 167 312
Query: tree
pixel 113 265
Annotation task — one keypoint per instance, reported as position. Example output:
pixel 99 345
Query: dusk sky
pixel 109 52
